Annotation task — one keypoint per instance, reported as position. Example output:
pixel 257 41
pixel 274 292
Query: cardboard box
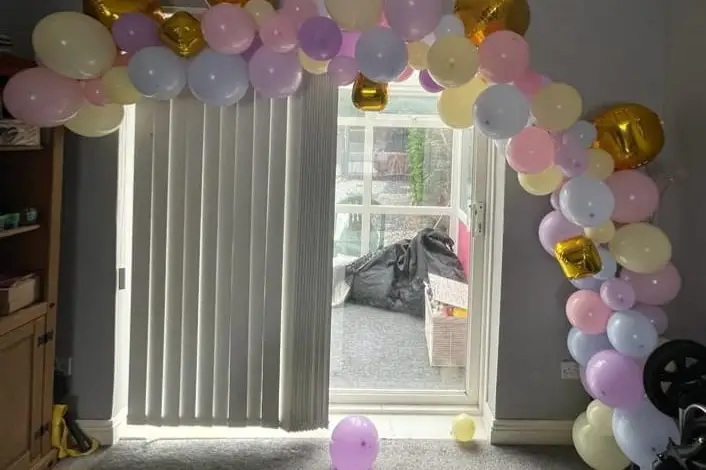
pixel 447 336
pixel 18 292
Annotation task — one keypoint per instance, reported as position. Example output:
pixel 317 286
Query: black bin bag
pixel 393 277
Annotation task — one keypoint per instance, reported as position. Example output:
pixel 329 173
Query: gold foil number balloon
pixel 481 18
pixel 234 2
pixel 369 95
pixel 182 34
pixel 631 133
pixel 108 11
pixel 578 257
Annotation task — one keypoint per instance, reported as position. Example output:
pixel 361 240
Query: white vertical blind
pixel 232 241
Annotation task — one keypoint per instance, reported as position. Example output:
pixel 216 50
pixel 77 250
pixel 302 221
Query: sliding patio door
pixel 397 172
pixel 230 297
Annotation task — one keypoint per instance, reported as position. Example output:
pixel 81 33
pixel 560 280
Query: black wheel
pixel 675 376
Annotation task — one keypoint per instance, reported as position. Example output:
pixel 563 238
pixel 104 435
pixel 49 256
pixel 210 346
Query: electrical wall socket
pixel 570 370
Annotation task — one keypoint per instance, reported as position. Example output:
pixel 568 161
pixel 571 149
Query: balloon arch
pixel 600 232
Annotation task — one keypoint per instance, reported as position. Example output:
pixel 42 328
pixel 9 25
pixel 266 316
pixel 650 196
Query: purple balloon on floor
pixel 354 444
pixel 428 83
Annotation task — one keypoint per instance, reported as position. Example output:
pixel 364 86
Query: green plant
pixel 416 147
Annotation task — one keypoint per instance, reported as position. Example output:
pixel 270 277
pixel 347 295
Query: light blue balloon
pixel 583 347
pixel 632 334
pixel 586 201
pixel 218 79
pixel 449 25
pixel 610 266
pixel 583 133
pixel 587 283
pixel 501 111
pixel 381 54
pixel 157 73
pixel 643 432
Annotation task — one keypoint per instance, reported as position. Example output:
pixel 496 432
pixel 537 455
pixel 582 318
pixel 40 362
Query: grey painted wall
pixel 610 51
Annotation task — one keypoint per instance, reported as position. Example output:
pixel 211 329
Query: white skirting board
pixel 107 432
pixel 526 431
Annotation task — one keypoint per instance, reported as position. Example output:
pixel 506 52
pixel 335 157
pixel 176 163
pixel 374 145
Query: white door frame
pixel 484 273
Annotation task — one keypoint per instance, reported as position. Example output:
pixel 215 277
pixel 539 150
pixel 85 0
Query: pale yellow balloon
pixel 542 183
pixel 463 428
pixel 356 15
pixel 452 60
pixel 418 52
pixel 598 451
pixel 260 10
pixel 600 417
pixel 97 121
pixel 556 107
pixel 313 66
pixel 641 248
pixel 602 233
pixel 118 87
pixel 600 164
pixel 455 105
pixel 74 45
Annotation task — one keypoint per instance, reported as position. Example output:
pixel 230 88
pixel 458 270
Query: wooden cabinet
pixel 30 179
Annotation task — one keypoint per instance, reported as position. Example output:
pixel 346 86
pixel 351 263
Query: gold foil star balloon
pixel 578 257
pixel 369 95
pixel 108 11
pixel 182 34
pixel 481 18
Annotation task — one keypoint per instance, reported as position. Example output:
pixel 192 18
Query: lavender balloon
pixel 413 20
pixel 354 444
pixel 342 70
pixel 655 315
pixel 320 38
pixel 428 83
pixel 254 47
pixel 275 75
pixel 554 228
pixel 135 31
pixel 615 380
pixel 571 158
pixel 617 294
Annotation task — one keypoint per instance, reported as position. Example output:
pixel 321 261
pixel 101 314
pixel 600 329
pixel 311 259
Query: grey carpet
pixel 290 454
pixel 377 349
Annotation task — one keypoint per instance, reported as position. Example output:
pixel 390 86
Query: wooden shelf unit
pixel 30 178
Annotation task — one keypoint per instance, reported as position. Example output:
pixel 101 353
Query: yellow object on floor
pixel 459 312
pixel 61 438
pixel 463 428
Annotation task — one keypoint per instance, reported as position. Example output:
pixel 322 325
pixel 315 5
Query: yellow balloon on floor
pixel 463 428
pixel 313 66
pixel 641 248
pixel 354 16
pixel 452 61
pixel 556 107
pixel 601 234
pixel 600 164
pixel 418 52
pixel 118 88
pixel 542 183
pixel 74 45
pixel 598 451
pixel 97 121
pixel 455 105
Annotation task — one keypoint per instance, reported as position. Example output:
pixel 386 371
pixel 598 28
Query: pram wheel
pixel 675 372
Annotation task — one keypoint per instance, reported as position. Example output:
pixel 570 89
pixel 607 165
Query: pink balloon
pixel 275 75
pixel 617 294
pixel 228 29
pixel 350 39
pixel 342 70
pixel 41 97
pixel 655 315
pixel 530 83
pixel 636 196
pixel 554 228
pixel 531 151
pixel 504 57
pixel 279 33
pixel 300 10
pixel 658 288
pixel 615 380
pixel 406 73
pixel 587 312
pixel 93 91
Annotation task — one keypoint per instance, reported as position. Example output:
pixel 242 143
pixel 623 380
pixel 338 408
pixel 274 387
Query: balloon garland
pixel 476 59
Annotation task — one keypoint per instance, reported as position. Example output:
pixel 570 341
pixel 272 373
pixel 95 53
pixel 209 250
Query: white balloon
pixel 583 347
pixel 586 201
pixel 609 265
pixel 643 432
pixel 632 334
pixel 501 111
